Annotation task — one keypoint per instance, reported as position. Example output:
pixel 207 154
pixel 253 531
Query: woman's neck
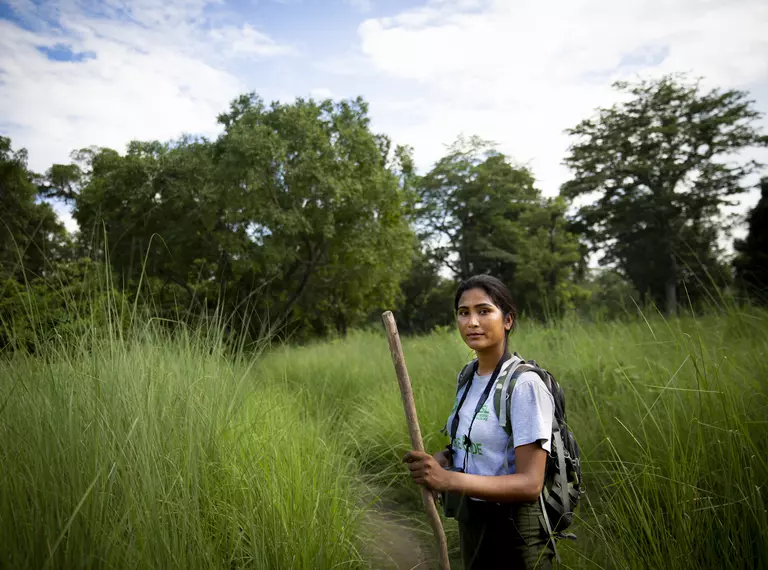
pixel 488 359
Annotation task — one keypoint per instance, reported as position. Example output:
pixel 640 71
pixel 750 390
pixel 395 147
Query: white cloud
pixel 321 93
pixel 151 71
pixel 247 41
pixel 521 72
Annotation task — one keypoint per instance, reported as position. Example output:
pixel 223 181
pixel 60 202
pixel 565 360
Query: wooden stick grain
pixel 398 359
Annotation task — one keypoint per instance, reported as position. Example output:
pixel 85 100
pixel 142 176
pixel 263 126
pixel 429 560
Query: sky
pixel 78 73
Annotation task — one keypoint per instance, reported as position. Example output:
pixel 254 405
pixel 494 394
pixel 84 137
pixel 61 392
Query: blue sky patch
pixel 33 16
pixel 63 52
pixel 6 12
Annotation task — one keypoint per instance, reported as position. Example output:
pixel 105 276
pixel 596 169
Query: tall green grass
pixel 162 452
pixel 160 449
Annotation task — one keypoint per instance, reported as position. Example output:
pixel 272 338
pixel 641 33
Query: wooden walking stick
pixel 413 429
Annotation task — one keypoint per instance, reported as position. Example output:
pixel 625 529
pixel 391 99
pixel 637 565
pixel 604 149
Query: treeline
pixel 299 220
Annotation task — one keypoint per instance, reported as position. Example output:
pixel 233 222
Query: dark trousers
pixel 495 536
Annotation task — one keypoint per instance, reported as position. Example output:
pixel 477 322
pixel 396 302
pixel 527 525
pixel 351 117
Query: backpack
pixel 562 478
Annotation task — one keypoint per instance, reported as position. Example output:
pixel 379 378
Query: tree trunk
pixel 671 287
pixel 671 297
pixel 311 265
pixel 553 271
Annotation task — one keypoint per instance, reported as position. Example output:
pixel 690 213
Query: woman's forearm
pixel 514 488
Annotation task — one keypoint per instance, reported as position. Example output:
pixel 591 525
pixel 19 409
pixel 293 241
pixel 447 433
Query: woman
pixel 500 520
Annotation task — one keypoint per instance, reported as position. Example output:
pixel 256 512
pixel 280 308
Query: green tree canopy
pixel 751 263
pixel 30 235
pixel 479 213
pixel 324 196
pixel 290 195
pixel 659 168
pixel 550 260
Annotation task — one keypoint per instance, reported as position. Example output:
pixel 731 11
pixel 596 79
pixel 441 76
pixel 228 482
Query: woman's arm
pixel 524 485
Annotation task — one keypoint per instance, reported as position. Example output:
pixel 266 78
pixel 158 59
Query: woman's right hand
pixel 443 458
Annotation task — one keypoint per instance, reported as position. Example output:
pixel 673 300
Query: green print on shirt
pixel 482 415
pixel 474 448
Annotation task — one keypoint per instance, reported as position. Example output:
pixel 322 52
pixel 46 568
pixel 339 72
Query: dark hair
pixel 495 289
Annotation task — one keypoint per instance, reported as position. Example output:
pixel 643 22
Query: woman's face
pixel 481 323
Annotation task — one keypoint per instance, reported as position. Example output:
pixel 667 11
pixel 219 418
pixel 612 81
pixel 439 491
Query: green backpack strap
pixel 465 375
pixel 503 393
pixel 560 486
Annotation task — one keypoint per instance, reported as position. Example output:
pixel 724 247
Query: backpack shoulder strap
pixel 504 387
pixel 465 375
pixel 504 390
pixel 561 475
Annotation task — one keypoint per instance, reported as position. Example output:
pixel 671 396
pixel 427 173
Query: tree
pixel 326 200
pixel 427 297
pixel 549 260
pixel 30 235
pixel 164 195
pixel 480 214
pixel 659 167
pixel 297 212
pixel 610 295
pixel 751 263
pixel 32 245
pixel 468 207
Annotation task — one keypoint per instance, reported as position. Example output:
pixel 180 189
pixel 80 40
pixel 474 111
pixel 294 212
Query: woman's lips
pixel 474 335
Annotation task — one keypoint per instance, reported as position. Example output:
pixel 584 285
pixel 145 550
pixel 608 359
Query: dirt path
pixel 395 541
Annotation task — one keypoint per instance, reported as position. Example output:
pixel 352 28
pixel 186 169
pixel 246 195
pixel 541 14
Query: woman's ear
pixel 508 322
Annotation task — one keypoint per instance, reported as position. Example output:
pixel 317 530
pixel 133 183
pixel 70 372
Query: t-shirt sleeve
pixel 532 408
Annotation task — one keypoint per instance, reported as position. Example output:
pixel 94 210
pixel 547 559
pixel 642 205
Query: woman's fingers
pixel 420 465
pixel 419 469
pixel 425 470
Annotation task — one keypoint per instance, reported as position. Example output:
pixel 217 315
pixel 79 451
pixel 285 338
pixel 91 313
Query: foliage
pixel 30 235
pixel 667 435
pixel 299 221
pixel 427 298
pixel 752 261
pixel 325 203
pixel 610 296
pixel 480 214
pixel 658 165
pixel 549 260
pixel 296 214
pixel 69 300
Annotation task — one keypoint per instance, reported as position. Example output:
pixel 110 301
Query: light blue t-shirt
pixel 492 452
